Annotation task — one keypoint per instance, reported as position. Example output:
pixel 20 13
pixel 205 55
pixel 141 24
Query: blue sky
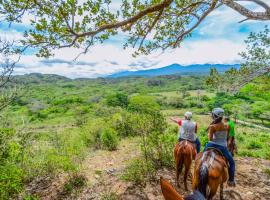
pixel 218 39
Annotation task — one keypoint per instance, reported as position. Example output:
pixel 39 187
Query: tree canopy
pixel 153 24
pixel 256 64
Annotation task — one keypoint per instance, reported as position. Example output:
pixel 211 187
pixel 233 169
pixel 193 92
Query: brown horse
pixel 184 153
pixel 210 170
pixel 170 193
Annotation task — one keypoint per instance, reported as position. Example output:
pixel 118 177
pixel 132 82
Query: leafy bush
pixel 168 140
pixel 11 180
pixel 126 123
pixel 267 171
pixel 254 144
pixel 109 196
pixel 176 102
pixel 143 104
pixel 240 138
pixel 203 136
pixel 139 171
pixel 109 139
pixel 94 129
pixel 117 99
pixel 101 110
pixel 6 135
pixel 75 182
pixel 68 100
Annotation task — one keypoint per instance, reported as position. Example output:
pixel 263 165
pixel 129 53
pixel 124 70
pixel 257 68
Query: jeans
pixel 197 143
pixel 227 155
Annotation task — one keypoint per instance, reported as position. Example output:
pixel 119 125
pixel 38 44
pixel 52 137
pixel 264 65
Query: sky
pixel 218 40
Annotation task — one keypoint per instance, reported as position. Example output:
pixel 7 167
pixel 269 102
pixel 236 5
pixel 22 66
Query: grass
pixel 109 196
pixel 193 93
pixel 267 171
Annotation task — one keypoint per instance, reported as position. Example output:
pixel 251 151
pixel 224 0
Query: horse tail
pixel 203 179
pixel 181 162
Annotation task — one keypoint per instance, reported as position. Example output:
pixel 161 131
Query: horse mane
pixel 195 196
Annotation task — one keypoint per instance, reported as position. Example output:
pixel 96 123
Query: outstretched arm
pixel 175 119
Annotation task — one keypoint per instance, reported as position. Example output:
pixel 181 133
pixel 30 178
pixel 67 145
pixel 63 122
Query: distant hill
pixel 196 69
pixel 40 78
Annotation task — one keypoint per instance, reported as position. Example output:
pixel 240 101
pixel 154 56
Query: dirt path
pixel 103 171
pixel 252 125
pixel 109 162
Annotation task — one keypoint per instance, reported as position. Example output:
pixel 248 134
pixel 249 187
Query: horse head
pixel 170 193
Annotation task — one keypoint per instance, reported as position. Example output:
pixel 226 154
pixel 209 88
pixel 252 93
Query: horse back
pixel 217 166
pixel 185 147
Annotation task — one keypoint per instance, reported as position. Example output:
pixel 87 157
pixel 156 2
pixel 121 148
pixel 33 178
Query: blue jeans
pixel 197 143
pixel 227 155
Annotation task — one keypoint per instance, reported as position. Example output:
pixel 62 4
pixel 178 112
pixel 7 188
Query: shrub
pixel 11 180
pixel 75 182
pixel 117 99
pixel 101 110
pixel 94 129
pixel 109 196
pixel 267 171
pixel 6 135
pixel 68 100
pixel 139 171
pixel 126 123
pixel 109 139
pixel 254 144
pixel 143 104
pixel 240 138
pixel 176 102
pixel 203 136
pixel 168 141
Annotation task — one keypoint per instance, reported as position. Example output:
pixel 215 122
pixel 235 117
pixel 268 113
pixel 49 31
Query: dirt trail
pixel 252 181
pixel 103 170
pixel 109 162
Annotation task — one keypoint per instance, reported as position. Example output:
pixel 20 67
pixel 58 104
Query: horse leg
pixel 179 167
pixel 213 186
pixel 221 191
pixel 188 161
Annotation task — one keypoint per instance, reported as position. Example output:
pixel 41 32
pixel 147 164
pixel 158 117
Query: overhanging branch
pixel 249 13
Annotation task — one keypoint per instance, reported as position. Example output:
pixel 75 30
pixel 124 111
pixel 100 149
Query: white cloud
pixel 218 39
pixel 107 59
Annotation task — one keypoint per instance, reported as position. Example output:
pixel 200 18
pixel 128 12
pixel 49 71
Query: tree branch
pixel 130 21
pixel 151 27
pixel 249 78
pixel 248 13
pixel 181 36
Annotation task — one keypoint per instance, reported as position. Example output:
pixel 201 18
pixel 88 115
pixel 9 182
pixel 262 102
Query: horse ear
pixel 168 191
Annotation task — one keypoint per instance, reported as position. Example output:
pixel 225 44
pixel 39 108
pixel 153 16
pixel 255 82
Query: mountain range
pixel 196 69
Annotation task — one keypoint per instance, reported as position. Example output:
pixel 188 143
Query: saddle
pixel 184 142
pixel 217 151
